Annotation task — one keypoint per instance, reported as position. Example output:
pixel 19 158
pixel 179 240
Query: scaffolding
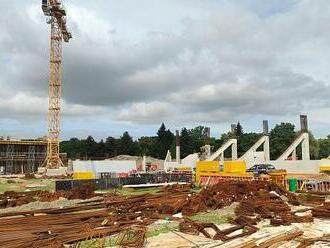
pixel 21 156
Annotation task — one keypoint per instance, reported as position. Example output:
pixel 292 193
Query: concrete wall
pixel 298 166
pixel 190 160
pixel 103 166
pixel 169 166
pixel 255 158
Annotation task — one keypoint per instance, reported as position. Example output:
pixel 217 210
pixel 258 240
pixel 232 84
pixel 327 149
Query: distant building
pixel 21 156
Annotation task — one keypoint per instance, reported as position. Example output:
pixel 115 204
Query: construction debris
pixel 129 216
pixel 14 199
pixel 193 227
pixel 322 211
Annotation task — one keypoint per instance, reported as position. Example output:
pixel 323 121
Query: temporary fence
pixel 108 183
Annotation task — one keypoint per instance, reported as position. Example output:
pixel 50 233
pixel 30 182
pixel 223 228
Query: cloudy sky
pixel 134 64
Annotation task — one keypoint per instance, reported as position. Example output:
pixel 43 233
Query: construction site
pixel 215 197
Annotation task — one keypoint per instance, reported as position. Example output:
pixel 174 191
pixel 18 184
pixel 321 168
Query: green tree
pixel 324 147
pixel 127 146
pixel 238 130
pixel 281 136
pixel 199 137
pixel 72 147
pixel 149 146
pixel 111 146
pixel 246 141
pixel 165 139
pixel 186 142
pixel 100 152
pixel 90 147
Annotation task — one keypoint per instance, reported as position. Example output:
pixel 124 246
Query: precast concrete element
pixel 177 148
pixel 168 157
pixel 250 154
pixel 303 139
pixel 220 152
pixel 265 129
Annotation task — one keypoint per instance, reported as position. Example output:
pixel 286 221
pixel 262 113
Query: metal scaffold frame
pixel 31 159
pixel 17 157
pixel 10 160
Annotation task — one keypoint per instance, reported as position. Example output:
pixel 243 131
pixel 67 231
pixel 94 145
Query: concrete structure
pixel 298 166
pixel 168 157
pixel 232 143
pixel 190 160
pixel 141 162
pixel 21 156
pixel 252 156
pixel 169 166
pixel 177 147
pixel 103 166
pixel 302 139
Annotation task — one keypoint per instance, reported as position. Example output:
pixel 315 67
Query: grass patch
pixel 196 188
pixel 155 230
pixel 211 216
pixel 96 243
pixel 19 184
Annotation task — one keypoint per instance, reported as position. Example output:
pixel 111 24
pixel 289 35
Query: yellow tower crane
pixel 56 17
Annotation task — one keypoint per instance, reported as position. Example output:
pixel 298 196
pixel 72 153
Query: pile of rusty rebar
pixel 117 213
pixel 14 199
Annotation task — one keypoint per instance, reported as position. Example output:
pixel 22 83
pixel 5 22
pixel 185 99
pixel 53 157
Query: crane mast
pixel 56 17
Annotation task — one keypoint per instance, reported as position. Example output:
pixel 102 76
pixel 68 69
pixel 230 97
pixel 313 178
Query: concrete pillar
pixel 208 142
pixel 208 135
pixel 265 127
pixel 305 147
pixel 222 157
pixel 144 163
pixel 168 157
pixel 234 151
pixel 303 123
pixel 177 147
pixel 233 128
pixel 266 149
pixel 208 151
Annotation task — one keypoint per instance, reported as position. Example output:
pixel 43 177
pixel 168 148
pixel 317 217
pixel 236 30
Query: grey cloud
pixel 211 61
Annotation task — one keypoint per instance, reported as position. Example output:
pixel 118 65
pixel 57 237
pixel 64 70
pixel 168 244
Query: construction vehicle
pixel 56 17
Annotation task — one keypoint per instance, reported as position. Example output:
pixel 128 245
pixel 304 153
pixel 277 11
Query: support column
pixel 305 147
pixel 266 149
pixel 222 157
pixel 234 151
pixel 177 150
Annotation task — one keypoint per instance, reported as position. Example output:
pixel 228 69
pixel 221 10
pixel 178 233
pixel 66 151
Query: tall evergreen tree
pixel 165 139
pixel 238 130
pixel 186 141
pixel 91 147
pixel 111 147
pixel 126 145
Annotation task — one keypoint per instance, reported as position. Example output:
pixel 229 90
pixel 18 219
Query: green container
pixel 293 184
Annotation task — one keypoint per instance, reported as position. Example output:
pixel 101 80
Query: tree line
pixel 191 140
